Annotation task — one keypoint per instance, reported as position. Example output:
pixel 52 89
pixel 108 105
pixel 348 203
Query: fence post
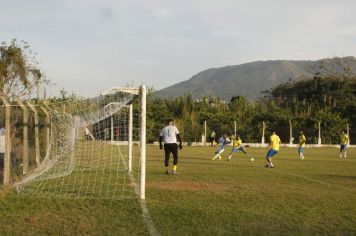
pixel 37 137
pixel 204 141
pixel 263 132
pixel 319 133
pixel 7 156
pixel 290 133
pixel 48 124
pixel 25 158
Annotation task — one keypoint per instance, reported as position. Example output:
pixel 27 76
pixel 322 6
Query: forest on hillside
pixel 330 100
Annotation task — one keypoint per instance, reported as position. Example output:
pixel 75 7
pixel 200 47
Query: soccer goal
pixel 92 148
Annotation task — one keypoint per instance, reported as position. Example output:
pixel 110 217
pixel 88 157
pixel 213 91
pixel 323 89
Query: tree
pixel 20 74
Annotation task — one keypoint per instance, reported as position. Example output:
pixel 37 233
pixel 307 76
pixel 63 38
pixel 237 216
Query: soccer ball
pixel 252 159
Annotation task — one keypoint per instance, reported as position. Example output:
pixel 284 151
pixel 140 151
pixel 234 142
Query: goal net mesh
pixel 87 156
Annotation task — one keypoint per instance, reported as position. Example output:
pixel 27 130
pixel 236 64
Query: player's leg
pixel 300 151
pixel 216 154
pixel 167 152
pixel 230 154
pixel 269 156
pixel 175 158
pixel 341 151
pixel 219 154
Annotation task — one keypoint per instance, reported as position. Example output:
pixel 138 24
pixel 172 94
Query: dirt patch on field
pixel 184 185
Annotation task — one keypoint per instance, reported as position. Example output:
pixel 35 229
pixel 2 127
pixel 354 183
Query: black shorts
pixel 168 149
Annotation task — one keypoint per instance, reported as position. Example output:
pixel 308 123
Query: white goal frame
pixel 142 92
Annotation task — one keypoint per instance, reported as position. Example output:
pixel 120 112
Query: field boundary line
pixel 317 181
pixel 145 213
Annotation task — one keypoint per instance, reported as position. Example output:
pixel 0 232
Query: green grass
pixel 313 196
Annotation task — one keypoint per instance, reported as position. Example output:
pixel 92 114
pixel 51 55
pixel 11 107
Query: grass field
pixel 313 196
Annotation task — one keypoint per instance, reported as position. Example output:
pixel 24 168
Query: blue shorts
pixel 236 149
pixel 300 149
pixel 271 153
pixel 343 147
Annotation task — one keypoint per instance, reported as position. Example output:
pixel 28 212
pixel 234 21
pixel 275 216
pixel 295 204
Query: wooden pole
pixel 7 156
pixel 48 124
pixel 25 155
pixel 37 136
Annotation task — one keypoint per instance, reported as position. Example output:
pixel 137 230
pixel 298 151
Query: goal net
pixel 91 149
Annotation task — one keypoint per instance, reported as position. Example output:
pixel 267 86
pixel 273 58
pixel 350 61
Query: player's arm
pixel 179 138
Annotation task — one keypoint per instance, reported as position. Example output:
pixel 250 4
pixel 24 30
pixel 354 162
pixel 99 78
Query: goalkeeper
pixel 237 146
pixel 169 135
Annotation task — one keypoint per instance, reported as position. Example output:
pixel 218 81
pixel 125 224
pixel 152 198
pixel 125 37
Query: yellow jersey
pixel 344 139
pixel 274 142
pixel 237 142
pixel 302 140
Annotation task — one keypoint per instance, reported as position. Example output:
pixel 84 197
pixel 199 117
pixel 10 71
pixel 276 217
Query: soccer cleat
pixel 219 158
pixel 271 165
pixel 175 172
pixel 167 172
pixel 267 165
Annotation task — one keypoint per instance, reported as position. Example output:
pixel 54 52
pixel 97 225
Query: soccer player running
pixel 169 135
pixel 223 141
pixel 302 141
pixel 273 149
pixel 344 140
pixel 237 146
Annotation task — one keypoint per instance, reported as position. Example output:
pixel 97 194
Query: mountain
pixel 250 79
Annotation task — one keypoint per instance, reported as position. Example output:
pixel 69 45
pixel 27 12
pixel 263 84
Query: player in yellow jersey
pixel 237 146
pixel 302 141
pixel 344 140
pixel 273 149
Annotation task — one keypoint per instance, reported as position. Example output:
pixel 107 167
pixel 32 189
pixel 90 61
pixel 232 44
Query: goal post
pixel 143 143
pixel 142 92
pixel 91 148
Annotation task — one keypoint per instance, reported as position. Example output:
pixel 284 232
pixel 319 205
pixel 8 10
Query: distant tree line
pixel 330 100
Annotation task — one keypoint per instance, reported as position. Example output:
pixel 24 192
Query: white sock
pixel 216 156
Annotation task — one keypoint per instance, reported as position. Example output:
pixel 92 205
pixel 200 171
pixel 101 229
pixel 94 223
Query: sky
pixel 88 46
